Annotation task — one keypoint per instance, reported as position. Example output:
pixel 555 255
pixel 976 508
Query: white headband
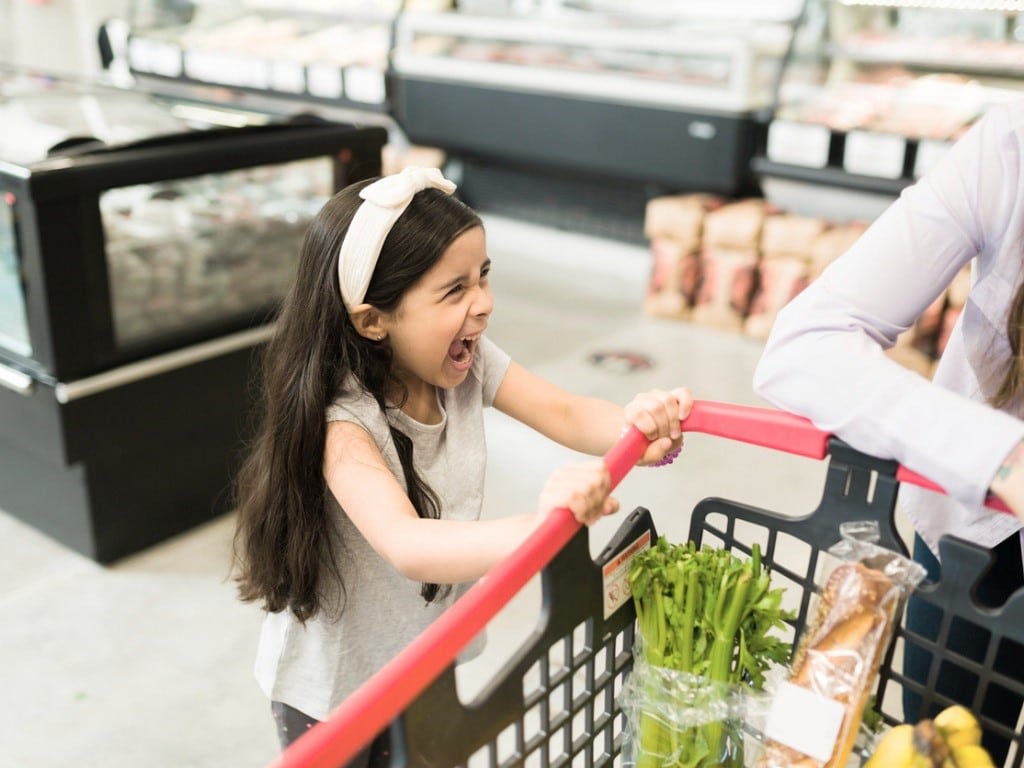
pixel 385 201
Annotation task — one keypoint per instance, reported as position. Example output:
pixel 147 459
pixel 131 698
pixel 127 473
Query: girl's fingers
pixel 582 488
pixel 657 413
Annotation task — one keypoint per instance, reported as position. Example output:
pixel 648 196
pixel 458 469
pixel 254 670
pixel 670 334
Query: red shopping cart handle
pixel 771 428
pixel 355 722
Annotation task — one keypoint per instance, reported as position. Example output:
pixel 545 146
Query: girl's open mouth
pixel 461 351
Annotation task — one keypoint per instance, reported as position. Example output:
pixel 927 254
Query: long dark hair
pixel 1013 382
pixel 284 538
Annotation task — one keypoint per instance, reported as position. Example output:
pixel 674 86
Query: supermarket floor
pixel 148 662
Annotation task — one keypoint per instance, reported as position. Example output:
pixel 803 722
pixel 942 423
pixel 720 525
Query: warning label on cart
pixel 616 571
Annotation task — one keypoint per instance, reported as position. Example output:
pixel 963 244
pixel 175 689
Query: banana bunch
pixel 952 739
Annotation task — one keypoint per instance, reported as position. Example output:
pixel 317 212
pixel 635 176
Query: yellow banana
pixel 958 726
pixel 969 756
pixel 897 749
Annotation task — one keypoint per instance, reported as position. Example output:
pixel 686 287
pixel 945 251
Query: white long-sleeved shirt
pixel 824 358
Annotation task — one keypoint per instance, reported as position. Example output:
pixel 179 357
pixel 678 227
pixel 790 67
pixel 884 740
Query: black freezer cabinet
pixel 144 246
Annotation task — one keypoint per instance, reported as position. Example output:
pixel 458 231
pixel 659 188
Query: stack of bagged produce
pixel 709 627
pixel 732 265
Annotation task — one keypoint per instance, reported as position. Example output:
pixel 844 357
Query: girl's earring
pixel 380 337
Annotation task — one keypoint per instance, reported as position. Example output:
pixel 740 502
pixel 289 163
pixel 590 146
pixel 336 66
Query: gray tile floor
pixel 148 662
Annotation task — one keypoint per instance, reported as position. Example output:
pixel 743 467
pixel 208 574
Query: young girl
pixel 964 429
pixel 359 504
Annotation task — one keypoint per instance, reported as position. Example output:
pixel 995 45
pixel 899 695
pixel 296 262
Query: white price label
pixel 615 574
pixel 165 59
pixel 805 721
pixel 140 54
pixel 929 152
pixel 287 76
pixel 364 84
pixel 800 144
pixel 324 80
pixel 874 154
pixel 200 65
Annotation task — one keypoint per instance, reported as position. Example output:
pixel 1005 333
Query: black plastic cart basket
pixel 556 703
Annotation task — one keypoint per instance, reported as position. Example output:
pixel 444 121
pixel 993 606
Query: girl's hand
pixel 1008 484
pixel 583 488
pixel 657 414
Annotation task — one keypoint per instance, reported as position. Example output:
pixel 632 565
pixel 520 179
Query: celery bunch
pixel 710 614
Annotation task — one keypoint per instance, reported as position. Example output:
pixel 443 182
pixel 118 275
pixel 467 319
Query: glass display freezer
pixel 144 246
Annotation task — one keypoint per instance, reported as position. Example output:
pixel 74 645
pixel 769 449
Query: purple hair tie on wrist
pixel 668 458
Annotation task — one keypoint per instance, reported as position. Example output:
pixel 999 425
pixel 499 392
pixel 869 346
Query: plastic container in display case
pixel 663 99
pixel 874 92
pixel 144 247
pixel 319 51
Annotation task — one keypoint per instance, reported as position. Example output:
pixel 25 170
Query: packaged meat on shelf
pixel 874 93
pixel 732 265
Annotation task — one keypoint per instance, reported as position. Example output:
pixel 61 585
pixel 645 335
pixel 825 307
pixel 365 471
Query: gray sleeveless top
pixel 313 668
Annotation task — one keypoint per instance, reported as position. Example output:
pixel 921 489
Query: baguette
pixel 840 654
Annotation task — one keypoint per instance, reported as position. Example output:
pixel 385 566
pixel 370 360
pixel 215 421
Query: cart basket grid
pixel 556 702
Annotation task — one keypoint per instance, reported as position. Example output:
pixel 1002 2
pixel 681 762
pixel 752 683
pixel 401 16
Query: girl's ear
pixel 368 321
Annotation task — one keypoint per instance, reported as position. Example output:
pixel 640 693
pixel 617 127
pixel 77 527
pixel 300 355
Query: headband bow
pixel 384 202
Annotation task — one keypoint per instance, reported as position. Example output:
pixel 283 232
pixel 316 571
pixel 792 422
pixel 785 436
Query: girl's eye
pixel 455 290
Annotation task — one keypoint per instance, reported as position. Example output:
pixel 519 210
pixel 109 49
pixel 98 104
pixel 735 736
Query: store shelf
pixel 338 58
pixel 669 101
pixel 874 93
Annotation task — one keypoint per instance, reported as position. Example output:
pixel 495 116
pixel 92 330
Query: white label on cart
pixel 929 152
pixel 874 154
pixel 804 720
pixel 798 144
pixel 615 574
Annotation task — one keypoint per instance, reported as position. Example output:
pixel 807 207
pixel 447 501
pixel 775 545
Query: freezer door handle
pixel 65 392
pixel 16 381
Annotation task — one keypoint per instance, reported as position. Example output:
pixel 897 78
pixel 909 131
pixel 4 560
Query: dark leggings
pixel 969 641
pixel 291 724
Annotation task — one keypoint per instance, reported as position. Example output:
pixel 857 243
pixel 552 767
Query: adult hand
pixel 1008 484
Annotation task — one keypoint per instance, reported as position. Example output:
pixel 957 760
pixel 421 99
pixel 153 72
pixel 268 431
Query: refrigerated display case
pixel 323 52
pixel 144 247
pixel 873 92
pixel 654 101
pixel 588 91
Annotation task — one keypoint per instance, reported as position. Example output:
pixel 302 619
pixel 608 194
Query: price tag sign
pixel 874 154
pixel 324 81
pixel 615 574
pixel 364 84
pixel 805 721
pixel 165 59
pixel 200 65
pixel 929 151
pixel 287 76
pixel 800 144
pixel 254 72
pixel 140 54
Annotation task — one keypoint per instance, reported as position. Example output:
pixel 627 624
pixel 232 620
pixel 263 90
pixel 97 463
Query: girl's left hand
pixel 582 488
pixel 658 414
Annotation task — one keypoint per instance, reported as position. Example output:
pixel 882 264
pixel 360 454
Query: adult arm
pixel 825 356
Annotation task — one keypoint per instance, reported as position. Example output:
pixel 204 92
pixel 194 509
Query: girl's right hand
pixel 658 414
pixel 583 488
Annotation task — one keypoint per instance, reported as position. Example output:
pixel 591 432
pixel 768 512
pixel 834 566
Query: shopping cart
pixel 556 702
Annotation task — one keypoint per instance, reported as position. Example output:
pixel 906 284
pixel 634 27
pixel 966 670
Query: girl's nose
pixel 483 303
